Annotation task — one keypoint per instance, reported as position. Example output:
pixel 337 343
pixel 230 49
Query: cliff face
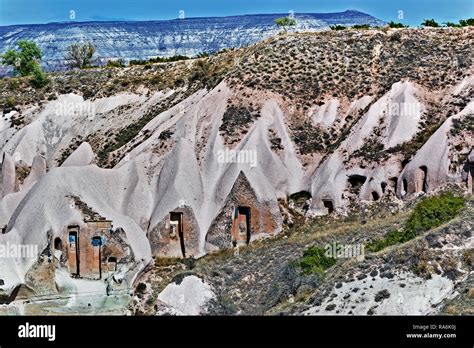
pixel 144 40
pixel 195 156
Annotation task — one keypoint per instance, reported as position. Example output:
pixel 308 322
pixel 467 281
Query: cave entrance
pixel 176 229
pixel 96 256
pixel 383 185
pixel 329 205
pixel 58 244
pixel 73 257
pixel 423 179
pixel 375 196
pixel 405 186
pixel 356 181
pixel 112 264
pixel 241 225
pixel 300 199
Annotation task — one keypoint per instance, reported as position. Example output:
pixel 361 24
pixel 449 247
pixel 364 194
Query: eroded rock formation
pixel 210 167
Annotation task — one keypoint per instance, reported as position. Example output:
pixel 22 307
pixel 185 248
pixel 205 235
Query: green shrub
pixel 119 63
pixel 430 23
pixel 10 102
pixel 431 212
pixel 13 84
pixel 38 77
pixel 285 23
pixel 201 71
pixel 24 60
pixel 466 22
pixel 337 27
pixel 202 55
pixel 314 260
pixel 393 237
pixel 452 25
pixel 393 24
pixel 361 26
pixel 157 60
pixel 80 55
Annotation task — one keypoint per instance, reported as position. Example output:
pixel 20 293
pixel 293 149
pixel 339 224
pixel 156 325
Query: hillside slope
pixel 233 144
pixel 164 38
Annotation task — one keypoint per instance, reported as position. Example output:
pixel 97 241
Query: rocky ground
pixel 429 274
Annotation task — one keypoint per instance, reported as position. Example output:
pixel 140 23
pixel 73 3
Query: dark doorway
pixel 329 205
pixel 176 220
pixel 375 196
pixel 96 256
pixel 424 176
pixel 112 264
pixel 405 186
pixel 356 181
pixel 73 257
pixel 58 244
pixel 383 185
pixel 244 215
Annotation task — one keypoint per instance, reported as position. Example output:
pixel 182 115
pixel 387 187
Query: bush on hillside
pixel 315 261
pixel 393 24
pixel 431 212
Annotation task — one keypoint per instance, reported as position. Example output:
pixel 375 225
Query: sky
pixel 410 12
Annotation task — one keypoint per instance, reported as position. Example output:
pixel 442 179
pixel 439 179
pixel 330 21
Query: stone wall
pixel 178 238
pixel 264 218
pixel 91 250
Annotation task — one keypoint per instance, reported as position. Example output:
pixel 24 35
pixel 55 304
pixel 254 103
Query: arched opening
pixel 405 186
pixel 176 228
pixel 383 185
pixel 424 179
pixel 96 255
pixel 329 205
pixel 300 199
pixel 301 196
pixel 73 250
pixel 241 225
pixel 112 264
pixel 356 181
pixel 375 196
pixel 58 244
